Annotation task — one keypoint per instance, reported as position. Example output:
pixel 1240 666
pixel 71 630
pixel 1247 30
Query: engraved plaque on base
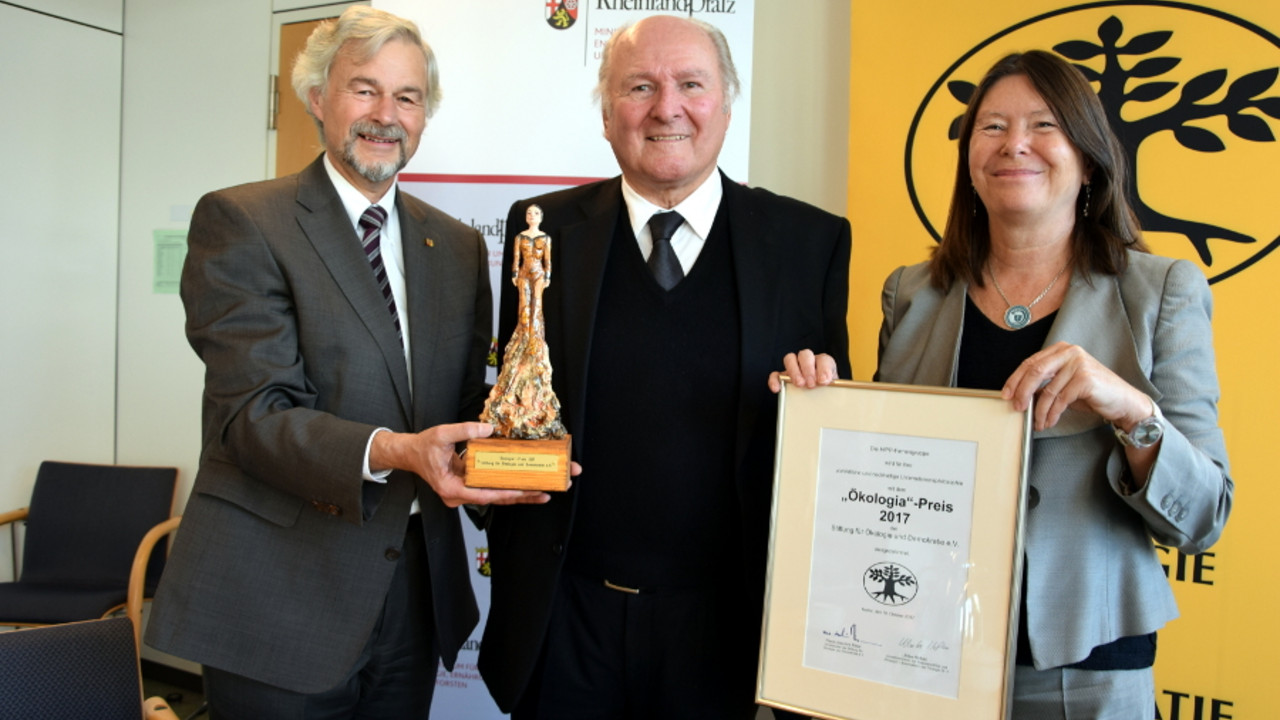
pixel 508 464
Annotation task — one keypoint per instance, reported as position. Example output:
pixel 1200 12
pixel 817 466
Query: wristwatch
pixel 1146 433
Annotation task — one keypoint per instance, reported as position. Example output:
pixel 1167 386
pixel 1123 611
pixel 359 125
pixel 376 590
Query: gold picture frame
pixel 895 554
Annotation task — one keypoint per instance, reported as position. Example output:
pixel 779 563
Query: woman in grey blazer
pixel 1043 288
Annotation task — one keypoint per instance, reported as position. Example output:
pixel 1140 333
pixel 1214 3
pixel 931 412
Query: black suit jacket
pixel 791 265
pixel 285 554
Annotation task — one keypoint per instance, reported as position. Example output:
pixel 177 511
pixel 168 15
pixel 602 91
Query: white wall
pixel 59 195
pixel 800 101
pixel 195 119
pixel 102 14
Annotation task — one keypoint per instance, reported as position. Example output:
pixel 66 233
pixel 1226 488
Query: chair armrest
pixel 138 573
pixel 155 708
pixel 13 516
pixel 10 518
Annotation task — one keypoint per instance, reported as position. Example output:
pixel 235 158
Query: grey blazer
pixel 1092 573
pixel 285 554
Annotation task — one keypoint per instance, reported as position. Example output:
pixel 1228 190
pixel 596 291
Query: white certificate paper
pixel 890 559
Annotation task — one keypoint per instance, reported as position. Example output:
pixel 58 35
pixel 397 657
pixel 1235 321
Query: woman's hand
pixel 805 369
pixel 1064 375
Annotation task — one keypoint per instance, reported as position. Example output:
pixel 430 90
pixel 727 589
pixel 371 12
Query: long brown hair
pixel 1100 240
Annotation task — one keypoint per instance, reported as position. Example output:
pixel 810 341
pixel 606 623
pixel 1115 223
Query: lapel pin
pixel 428 242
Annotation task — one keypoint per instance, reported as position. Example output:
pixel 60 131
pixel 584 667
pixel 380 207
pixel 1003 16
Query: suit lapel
pixel 583 251
pixel 939 358
pixel 757 259
pixel 424 282
pixel 1093 316
pixel 326 225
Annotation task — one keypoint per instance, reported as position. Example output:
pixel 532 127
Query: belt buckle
pixel 621 588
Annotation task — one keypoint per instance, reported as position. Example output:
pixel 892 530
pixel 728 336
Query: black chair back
pixel 83 528
pixel 77 670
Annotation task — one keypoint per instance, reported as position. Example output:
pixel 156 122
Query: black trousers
pixel 394 678
pixel 664 653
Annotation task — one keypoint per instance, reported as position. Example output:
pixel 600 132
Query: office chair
pixel 84 526
pixel 84 669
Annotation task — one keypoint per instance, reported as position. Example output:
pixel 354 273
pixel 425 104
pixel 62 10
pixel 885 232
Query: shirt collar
pixel 354 201
pixel 698 210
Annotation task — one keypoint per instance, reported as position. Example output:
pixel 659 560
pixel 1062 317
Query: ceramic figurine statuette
pixel 529 449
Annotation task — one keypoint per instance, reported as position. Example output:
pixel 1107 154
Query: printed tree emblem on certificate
pixel 530 447
pixel 889 584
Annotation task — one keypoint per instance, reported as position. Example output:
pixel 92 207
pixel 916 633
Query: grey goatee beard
pixel 374 171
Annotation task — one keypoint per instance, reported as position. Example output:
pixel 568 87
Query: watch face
pixel 1147 433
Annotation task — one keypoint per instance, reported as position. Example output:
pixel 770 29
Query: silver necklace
pixel 1017 316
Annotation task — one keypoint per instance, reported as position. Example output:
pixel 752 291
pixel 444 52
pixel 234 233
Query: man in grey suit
pixel 320 570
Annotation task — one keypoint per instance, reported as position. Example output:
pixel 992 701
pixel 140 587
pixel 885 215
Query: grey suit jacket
pixel 285 554
pixel 1092 573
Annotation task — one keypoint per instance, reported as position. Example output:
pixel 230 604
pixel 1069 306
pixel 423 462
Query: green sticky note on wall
pixel 170 253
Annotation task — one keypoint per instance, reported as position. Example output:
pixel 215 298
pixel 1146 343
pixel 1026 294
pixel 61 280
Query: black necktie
pixel 370 236
pixel 663 261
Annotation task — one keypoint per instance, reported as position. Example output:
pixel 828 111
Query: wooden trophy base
pixel 507 464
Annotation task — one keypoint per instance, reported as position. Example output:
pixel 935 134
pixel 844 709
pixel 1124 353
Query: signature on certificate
pixel 849 633
pixel 917 644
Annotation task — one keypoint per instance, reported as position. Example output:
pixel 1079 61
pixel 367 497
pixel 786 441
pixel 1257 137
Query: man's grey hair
pixel 367 29
pixel 728 73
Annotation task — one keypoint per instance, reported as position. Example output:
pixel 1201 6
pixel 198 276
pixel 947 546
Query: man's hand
pixel 430 455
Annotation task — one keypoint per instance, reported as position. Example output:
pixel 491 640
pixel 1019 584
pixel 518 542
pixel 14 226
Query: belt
pixel 711 582
pixel 622 588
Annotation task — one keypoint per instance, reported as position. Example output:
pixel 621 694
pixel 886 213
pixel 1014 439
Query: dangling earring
pixel 974 191
pixel 1088 195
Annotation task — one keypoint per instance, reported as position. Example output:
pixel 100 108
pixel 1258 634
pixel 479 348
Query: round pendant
pixel 1017 316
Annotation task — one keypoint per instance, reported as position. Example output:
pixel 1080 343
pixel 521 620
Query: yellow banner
pixel 1194 94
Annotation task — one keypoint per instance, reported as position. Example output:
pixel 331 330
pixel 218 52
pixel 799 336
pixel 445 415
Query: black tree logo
pixel 1113 80
pixel 889 583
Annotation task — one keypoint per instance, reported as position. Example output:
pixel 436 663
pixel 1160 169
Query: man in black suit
pixel 639 592
pixel 320 571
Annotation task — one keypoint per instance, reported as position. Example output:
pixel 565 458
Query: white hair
pixel 367 29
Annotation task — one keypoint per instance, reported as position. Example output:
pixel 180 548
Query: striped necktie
pixel 371 223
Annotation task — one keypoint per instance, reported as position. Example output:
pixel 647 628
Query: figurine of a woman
pixel 531 270
pixel 522 404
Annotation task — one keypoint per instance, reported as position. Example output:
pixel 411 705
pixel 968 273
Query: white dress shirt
pixel 698 210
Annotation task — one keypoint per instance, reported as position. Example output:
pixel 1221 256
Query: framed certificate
pixel 895 555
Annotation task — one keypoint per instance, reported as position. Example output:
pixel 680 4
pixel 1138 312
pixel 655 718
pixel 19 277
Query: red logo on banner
pixel 561 14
